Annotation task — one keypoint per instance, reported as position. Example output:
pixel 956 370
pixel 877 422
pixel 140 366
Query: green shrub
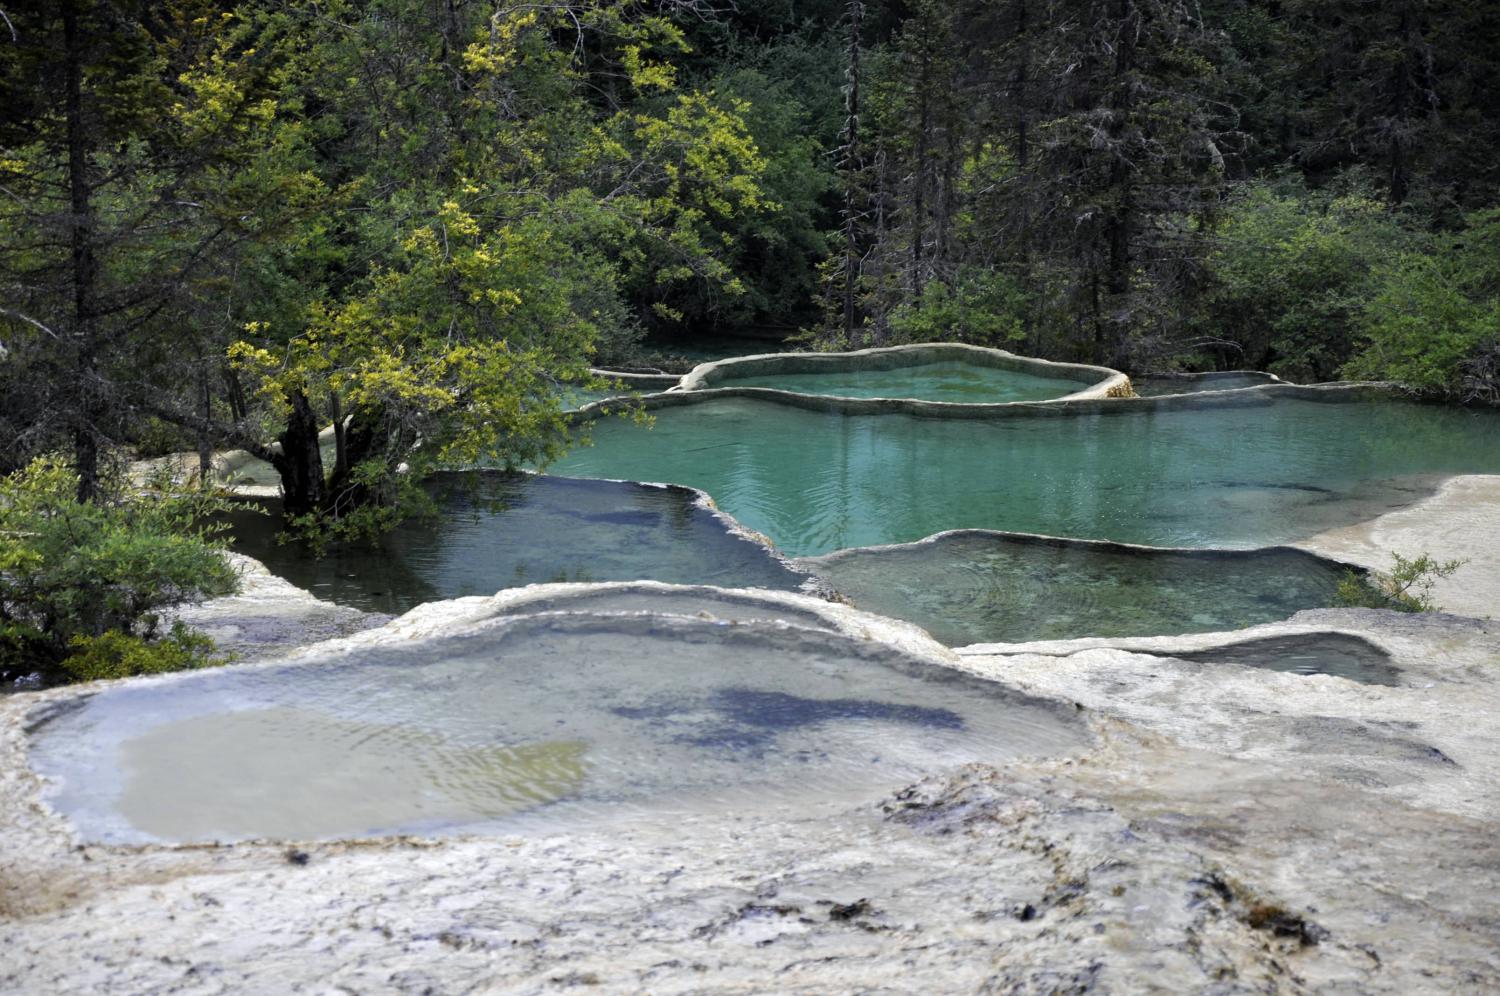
pixel 1434 323
pixel 84 580
pixel 1292 271
pixel 123 655
pixel 1407 587
pixel 982 308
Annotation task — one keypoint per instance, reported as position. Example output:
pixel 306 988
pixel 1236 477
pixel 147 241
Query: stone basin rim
pixel 1295 625
pixel 1097 381
pixel 1263 395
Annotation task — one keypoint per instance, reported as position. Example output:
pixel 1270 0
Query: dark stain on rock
pixel 848 911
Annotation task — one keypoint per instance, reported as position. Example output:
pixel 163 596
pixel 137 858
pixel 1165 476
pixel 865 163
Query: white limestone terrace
pixel 1076 381
pixel 1230 829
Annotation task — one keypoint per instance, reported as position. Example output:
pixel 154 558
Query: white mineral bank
pixel 1230 830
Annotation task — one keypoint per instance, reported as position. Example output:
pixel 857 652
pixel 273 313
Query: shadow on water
pixel 750 719
pixel 495 530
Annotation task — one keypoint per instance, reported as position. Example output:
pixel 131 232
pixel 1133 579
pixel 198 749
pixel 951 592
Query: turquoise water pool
pixel 1142 472
pixel 945 381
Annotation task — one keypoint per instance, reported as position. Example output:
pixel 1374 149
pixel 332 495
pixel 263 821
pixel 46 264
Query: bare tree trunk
pixel 300 462
pixel 919 173
pixel 205 442
pixel 852 175
pixel 88 413
pixel 1122 182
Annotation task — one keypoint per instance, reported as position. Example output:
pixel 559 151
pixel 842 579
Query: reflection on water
pixel 983 588
pixel 506 530
pixel 1248 474
pixel 1150 387
pixel 567 716
pixel 952 381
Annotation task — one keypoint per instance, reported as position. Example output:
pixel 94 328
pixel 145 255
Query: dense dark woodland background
pixel 220 222
pixel 422 221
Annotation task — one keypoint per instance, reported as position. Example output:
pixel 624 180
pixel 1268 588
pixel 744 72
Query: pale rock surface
pixel 1233 830
pixel 1461 521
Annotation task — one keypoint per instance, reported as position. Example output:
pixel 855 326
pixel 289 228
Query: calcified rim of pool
pixel 1258 396
pixel 1210 376
pixel 1096 381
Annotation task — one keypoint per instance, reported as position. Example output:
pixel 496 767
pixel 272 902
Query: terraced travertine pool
pixel 500 530
pixel 968 588
pixel 638 699
pixel 576 714
pixel 1210 474
pixel 953 381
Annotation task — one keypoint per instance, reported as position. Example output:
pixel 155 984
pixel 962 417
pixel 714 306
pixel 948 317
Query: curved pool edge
pixel 1457 521
pixel 40 837
pixel 1244 397
pixel 1105 546
pixel 1099 382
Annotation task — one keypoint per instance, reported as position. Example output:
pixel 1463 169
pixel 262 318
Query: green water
pixel 959 382
pixel 503 531
pixel 1208 476
pixel 981 588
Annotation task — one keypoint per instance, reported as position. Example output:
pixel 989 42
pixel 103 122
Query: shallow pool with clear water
pixel 551 718
pixel 1337 654
pixel 984 588
pixel 966 383
pixel 1236 475
pixel 500 530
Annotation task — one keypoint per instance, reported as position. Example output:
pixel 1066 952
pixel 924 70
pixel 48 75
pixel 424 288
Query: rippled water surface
pixel 562 717
pixel 1241 475
pixel 989 589
pixel 506 530
pixel 946 381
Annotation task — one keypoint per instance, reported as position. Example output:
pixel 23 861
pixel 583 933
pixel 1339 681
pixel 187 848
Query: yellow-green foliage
pixel 499 245
pixel 122 655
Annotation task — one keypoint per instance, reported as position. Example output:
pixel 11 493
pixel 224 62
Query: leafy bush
pixel 1293 269
pixel 89 581
pixel 981 308
pixel 1434 322
pixel 1407 587
pixel 122 655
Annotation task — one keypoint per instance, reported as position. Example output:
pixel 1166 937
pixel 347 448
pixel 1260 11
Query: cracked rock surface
pixel 1231 830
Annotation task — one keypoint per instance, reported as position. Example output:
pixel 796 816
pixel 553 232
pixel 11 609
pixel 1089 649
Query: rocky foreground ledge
pixel 1230 829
